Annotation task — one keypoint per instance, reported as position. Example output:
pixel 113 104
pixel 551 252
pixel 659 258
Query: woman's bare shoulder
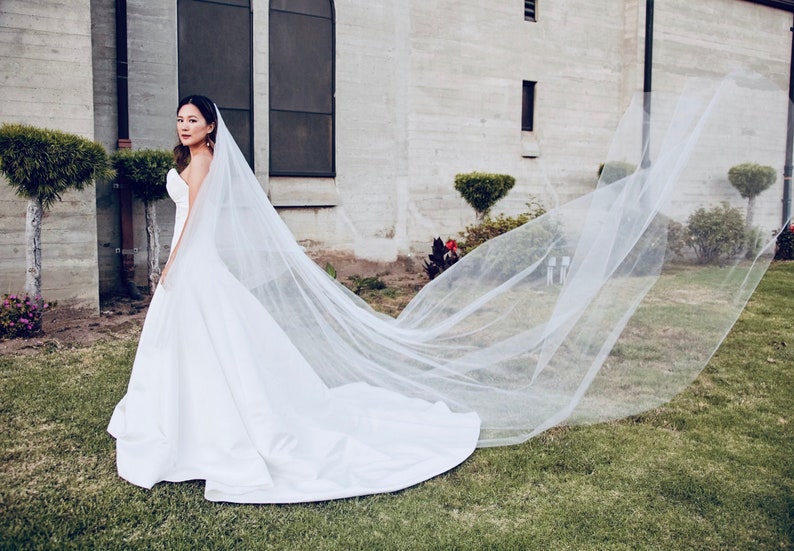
pixel 197 170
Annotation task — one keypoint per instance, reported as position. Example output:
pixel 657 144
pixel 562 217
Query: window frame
pixel 530 10
pixel 331 114
pixel 528 98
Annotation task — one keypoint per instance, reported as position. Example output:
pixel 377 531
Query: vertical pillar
pixel 124 142
pixel 787 169
pixel 647 87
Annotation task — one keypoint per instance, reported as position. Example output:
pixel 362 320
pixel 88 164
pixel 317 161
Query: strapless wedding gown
pixel 218 392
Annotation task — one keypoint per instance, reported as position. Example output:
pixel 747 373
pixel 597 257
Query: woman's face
pixel 191 126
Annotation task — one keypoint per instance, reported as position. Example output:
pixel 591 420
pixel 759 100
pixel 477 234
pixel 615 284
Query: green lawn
pixel 713 469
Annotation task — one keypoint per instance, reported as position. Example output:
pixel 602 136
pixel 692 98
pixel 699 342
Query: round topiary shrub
pixel 482 190
pixel 751 179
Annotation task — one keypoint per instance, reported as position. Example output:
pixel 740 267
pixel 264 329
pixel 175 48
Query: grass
pixel 712 469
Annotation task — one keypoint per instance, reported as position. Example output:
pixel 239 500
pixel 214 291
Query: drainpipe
pixel 646 88
pixel 787 169
pixel 127 249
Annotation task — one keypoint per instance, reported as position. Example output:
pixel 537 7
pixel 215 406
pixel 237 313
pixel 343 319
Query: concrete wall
pixel 47 82
pixel 712 38
pixel 424 92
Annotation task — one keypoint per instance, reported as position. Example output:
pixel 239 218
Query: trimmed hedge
pixel 482 190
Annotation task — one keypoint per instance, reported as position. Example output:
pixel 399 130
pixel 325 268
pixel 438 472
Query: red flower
pixel 452 246
pixel 791 228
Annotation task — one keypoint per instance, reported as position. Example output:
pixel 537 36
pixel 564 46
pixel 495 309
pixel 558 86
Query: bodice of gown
pixel 179 191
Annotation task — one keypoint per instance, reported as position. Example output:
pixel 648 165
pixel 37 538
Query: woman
pixel 197 131
pixel 218 392
pixel 268 379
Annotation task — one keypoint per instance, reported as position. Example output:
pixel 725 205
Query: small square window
pixel 528 106
pixel 530 10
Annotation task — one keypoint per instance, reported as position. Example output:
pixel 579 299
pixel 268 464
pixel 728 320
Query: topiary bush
pixel 717 234
pixel 785 244
pixel 751 179
pixel 482 190
pixel 144 171
pixel 41 165
pixel 612 171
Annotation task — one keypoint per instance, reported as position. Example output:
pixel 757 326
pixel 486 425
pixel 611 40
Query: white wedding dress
pixel 262 375
pixel 219 393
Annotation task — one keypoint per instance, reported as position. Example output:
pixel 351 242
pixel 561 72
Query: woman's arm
pixel 194 176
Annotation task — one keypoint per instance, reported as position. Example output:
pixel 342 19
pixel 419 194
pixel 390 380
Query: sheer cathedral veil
pixel 503 333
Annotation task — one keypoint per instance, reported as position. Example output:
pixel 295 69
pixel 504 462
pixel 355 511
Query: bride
pixel 261 375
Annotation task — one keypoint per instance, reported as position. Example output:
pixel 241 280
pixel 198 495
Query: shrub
pixel 525 246
pixel 612 171
pixel 717 234
pixel 475 235
pixel 20 316
pixel 785 244
pixel 482 190
pixel 676 239
pixel 663 241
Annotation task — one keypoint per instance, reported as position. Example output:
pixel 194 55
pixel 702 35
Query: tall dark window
pixel 528 106
pixel 530 10
pixel 215 61
pixel 302 88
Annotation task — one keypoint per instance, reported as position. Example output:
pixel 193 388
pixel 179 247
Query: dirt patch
pixel 65 327
pixel 402 280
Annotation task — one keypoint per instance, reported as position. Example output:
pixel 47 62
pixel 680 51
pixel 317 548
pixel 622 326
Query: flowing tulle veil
pixel 499 334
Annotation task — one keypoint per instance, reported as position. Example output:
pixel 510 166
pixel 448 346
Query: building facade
pixel 356 115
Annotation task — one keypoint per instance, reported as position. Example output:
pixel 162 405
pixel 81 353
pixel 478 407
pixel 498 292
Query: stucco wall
pixel 47 82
